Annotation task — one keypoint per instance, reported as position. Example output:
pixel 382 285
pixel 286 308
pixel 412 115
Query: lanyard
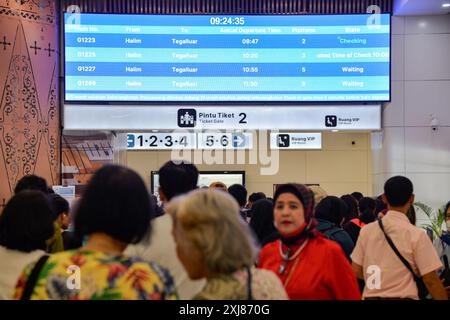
pixel 286 257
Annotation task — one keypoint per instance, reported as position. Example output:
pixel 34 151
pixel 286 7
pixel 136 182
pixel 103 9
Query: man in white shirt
pixel 385 275
pixel 174 180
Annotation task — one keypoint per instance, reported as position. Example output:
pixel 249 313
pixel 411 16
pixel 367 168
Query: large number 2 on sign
pixel 244 116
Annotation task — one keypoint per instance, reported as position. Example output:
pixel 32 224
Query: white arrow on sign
pixel 238 140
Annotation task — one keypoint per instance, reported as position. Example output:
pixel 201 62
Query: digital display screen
pixel 215 58
pixel 205 178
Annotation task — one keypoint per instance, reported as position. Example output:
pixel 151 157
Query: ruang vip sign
pixel 236 117
pixel 296 141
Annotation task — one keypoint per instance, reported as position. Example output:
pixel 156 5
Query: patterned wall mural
pixel 29 107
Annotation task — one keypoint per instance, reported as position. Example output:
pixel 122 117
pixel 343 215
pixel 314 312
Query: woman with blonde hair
pixel 214 243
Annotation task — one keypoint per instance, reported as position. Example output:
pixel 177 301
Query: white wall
pixel 420 89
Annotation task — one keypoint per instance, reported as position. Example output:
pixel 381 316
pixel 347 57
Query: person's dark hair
pixel 26 222
pixel 262 220
pixel 59 205
pixel 379 205
pixel 352 208
pixel 367 208
pixel 31 182
pixel 239 193
pixel 411 215
pixel 256 196
pixel 177 178
pixel 446 207
pixel 115 202
pixel 398 190
pixel 331 209
pixel 357 195
pixel 159 211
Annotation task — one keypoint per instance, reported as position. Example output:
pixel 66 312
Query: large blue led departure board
pixel 216 58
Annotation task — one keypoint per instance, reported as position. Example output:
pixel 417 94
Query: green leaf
pixel 107 294
pixel 426 209
pixel 44 273
pixel 46 269
pixel 441 216
pixel 436 218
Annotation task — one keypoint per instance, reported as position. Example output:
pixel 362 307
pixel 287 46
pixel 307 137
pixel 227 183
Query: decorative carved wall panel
pixel 29 108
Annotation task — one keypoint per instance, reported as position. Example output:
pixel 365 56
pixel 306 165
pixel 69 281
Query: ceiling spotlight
pixel 446 5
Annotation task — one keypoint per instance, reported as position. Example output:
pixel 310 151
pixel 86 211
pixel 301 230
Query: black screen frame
pixel 219 103
pixel 241 172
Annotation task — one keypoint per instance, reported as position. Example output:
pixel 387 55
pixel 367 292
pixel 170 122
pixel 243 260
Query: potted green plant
pixel 436 219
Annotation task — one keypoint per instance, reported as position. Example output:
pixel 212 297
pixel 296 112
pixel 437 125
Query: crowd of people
pixel 216 243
